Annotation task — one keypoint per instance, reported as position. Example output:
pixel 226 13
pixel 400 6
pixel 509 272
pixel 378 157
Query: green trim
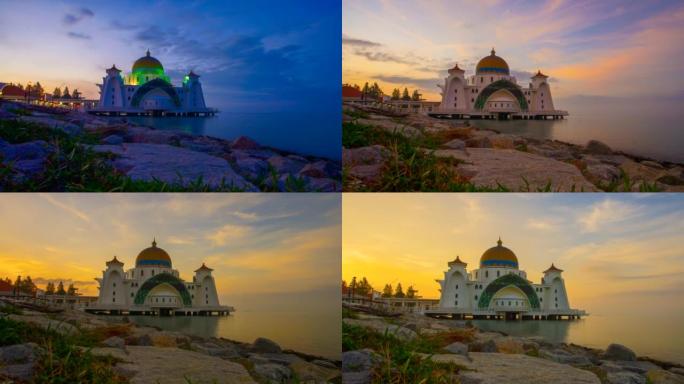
pixel 498 85
pixel 503 282
pixel 153 84
pixel 163 278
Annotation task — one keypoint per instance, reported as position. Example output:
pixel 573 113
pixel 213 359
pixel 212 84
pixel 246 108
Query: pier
pixel 457 314
pixel 159 311
pixel 154 113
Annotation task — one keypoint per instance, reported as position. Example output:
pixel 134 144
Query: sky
pixel 251 55
pixel 260 246
pixel 606 48
pixel 617 251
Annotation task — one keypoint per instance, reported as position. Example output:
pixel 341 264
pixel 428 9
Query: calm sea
pixel 313 133
pixel 650 129
pixel 659 337
pixel 308 323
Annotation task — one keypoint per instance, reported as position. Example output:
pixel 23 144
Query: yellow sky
pixel 612 245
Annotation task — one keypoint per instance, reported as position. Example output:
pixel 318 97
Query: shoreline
pixel 127 352
pixel 142 158
pixel 464 353
pixel 387 151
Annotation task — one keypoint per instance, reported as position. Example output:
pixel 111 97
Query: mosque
pixel 147 90
pixel 500 290
pixel 492 93
pixel 153 287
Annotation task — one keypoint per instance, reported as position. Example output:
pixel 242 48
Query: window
pixel 163 300
pixel 528 101
pixel 476 275
pixel 475 297
pixel 142 272
pixel 455 90
pixel 153 272
pixel 556 305
pixel 456 286
pixel 497 273
pixel 486 273
pixel 207 301
pixel 456 303
pixel 555 290
pixel 472 100
pixel 491 79
pixel 131 294
pixel 540 300
pixel 192 297
pixel 509 303
pixel 114 284
pixel 456 295
pixel 114 300
pixel 481 79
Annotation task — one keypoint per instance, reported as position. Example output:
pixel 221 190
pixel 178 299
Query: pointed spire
pixel 148 52
pixel 458 261
pixel 493 51
pixel 499 242
pixel 154 241
pixel 553 268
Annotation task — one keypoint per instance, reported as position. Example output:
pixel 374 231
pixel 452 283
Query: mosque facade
pixel 153 287
pixel 492 93
pixel 147 90
pixel 498 289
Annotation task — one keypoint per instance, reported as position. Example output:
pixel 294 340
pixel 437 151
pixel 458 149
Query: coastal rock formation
pixel 619 352
pixel 173 165
pixel 516 170
pixel 19 361
pixel 501 368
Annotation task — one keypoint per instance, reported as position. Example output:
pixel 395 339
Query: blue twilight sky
pixel 587 47
pixel 251 55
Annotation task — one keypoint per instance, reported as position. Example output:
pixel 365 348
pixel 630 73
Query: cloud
pixel 541 224
pixel 78 35
pixel 228 232
pixel 605 213
pixel 422 83
pixel 76 17
pixel 346 40
pixel 66 207
pixel 245 215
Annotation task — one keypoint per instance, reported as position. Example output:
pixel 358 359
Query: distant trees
pixel 57 93
pixel 405 95
pixel 387 291
pixel 24 286
pixel 66 94
pixel 362 287
pixel 399 292
pixel 50 288
pixel 60 289
pixel 410 292
pixel 416 95
pixel 71 291
pixel 396 94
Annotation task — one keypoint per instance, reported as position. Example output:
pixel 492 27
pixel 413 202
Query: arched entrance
pixel 163 285
pixel 156 94
pixel 514 287
pixel 499 85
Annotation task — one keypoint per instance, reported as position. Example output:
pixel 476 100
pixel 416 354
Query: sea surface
pixel 650 129
pixel 313 133
pixel 658 337
pixel 308 322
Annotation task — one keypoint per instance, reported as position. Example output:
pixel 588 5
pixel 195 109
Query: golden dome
pixel 492 63
pixel 498 256
pixel 153 256
pixel 147 63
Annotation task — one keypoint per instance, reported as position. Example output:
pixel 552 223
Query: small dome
pixel 153 256
pixel 498 256
pixel 147 63
pixel 492 64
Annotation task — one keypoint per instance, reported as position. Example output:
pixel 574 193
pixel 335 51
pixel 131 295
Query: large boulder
pixel 41 321
pixel 517 171
pixel 454 144
pixel 224 350
pixel 112 140
pixel 357 367
pixel 65 126
pixel 283 164
pixel 619 352
pixel 365 163
pixel 244 142
pixel 602 173
pixel 273 373
pixel 623 377
pixel 19 361
pixel 265 345
pixel 381 326
pixel 509 345
pixel 597 148
pixel 564 357
pixel 501 368
pixel 315 374
pixel 457 348
pixel 179 366
pixel 114 342
pixel 173 165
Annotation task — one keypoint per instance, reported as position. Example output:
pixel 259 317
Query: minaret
pixel 112 90
pixel 112 288
pixel 453 287
pixel 453 91
pixel 193 98
pixel 205 287
pixel 556 297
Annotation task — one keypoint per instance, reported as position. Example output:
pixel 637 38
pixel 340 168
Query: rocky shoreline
pixel 150 355
pixel 491 357
pixel 173 157
pixel 489 159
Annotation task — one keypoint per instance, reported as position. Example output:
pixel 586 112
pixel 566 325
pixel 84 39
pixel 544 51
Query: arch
pixel 504 281
pixel 162 278
pixel 155 84
pixel 497 85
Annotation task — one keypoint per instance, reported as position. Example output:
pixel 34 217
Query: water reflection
pixel 554 331
pixel 536 129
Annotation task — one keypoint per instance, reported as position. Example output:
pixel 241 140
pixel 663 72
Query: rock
pixel 652 164
pixel 598 148
pixel 365 163
pixel 509 345
pixel 68 128
pixel 661 376
pixel 163 339
pixel 203 144
pixel 641 173
pixel 624 378
pixel 263 154
pixel 114 342
pixel 502 141
pixel 311 373
pixel 58 326
pixel 279 358
pixel 500 368
pixel 677 370
pixel 173 165
pixel 109 351
pixel 19 361
pixel 244 142
pixel 478 142
pixel 619 352
pixel 226 351
pixel 488 346
pixel 179 366
pixel 112 140
pixel 265 345
pixel 455 144
pixel 602 173
pixel 518 171
pixel 252 166
pixel 556 152
pixel 274 373
pixel 640 367
pixel 283 164
pixel 320 169
pixel 324 185
pixel 381 326
pixel 324 363
pixel 38 149
pixel 564 357
pixel 457 348
pixel 357 367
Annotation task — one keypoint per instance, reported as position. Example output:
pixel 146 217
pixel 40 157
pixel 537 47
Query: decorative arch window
pixel 497 273
pixel 475 297
pixel 456 286
pixel 456 303
pixel 456 295
pixel 491 79
pixel 472 100
pixel 540 300
pixel 486 273
pixel 455 90
pixel 481 79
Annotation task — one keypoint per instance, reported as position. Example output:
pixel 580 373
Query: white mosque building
pixel 147 90
pixel 153 287
pixel 492 93
pixel 500 290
